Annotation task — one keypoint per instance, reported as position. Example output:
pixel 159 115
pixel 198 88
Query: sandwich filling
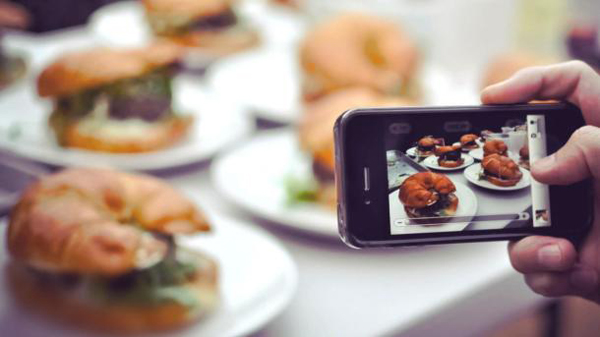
pixel 161 283
pixel 454 155
pixel 146 98
pixel 173 26
pixel 438 208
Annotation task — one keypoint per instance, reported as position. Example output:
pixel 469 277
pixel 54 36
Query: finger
pixel 535 254
pixel 578 159
pixel 574 81
pixel 581 281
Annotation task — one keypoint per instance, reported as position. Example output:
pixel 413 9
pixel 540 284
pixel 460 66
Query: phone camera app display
pixel 466 175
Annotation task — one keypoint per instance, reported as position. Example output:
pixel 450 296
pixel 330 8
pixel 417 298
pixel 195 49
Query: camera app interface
pixel 465 174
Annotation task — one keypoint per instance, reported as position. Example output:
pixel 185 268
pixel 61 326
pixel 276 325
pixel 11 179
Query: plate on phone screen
pixel 251 292
pixel 472 173
pixel 478 154
pixel 432 163
pixel 467 208
pixel 255 176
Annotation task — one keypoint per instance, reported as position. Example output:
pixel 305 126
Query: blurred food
pixel 316 135
pixel 13 15
pixel 494 146
pixel 504 66
pixel 115 100
pixel 501 170
pixel 12 68
pixel 484 134
pixel 524 156
pixel 358 50
pixel 96 248
pixel 449 156
pixel 426 146
pixel 428 194
pixel 469 141
pixel 211 25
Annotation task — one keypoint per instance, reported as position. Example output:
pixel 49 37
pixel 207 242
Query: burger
pixel 500 170
pixel 316 139
pixel 212 26
pixel 114 100
pixel 111 262
pixel 524 156
pixel 469 141
pixel 494 146
pixel 426 145
pixel 357 49
pixel 449 156
pixel 428 195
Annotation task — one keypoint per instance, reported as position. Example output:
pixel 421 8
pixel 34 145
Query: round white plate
pixel 471 173
pixel 432 162
pixel 412 152
pixel 254 175
pixel 268 81
pixel 264 80
pixel 478 154
pixel 467 207
pixel 218 124
pixel 124 23
pixel 257 279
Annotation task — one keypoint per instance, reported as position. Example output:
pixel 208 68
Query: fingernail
pixel 550 256
pixel 584 279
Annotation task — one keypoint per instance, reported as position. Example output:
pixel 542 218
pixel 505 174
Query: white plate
pixel 412 152
pixel 218 124
pixel 257 279
pixel 264 80
pixel 124 23
pixel 268 81
pixel 478 154
pixel 471 173
pixel 253 176
pixel 432 162
pixel 467 207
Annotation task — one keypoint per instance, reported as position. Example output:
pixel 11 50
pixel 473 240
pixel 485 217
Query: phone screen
pixel 466 173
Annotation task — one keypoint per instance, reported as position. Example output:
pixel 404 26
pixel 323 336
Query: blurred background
pixel 264 79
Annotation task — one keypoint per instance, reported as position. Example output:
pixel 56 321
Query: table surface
pixel 417 291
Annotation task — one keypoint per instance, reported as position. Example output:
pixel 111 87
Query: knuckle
pixel 580 66
pixel 587 134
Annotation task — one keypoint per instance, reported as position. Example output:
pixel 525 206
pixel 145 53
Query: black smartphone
pixel 429 175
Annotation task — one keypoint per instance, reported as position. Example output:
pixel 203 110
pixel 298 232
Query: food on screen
pixel 524 156
pixel 210 25
pixel 113 100
pixel 426 146
pixel 500 170
pixel 357 49
pixel 96 248
pixel 494 146
pixel 469 141
pixel 485 134
pixel 428 194
pixel 449 156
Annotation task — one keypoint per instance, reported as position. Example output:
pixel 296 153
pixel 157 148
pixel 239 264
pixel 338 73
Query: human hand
pixel 552 266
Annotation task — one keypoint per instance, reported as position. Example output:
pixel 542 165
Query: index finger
pixel 574 81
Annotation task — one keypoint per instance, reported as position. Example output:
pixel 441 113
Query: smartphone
pixel 431 175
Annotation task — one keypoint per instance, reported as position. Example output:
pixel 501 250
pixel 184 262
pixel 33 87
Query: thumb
pixel 577 160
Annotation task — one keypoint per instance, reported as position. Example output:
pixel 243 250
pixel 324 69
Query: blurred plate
pixel 218 124
pixel 432 162
pixel 264 80
pixel 471 173
pixel 254 176
pixel 478 154
pixel 124 23
pixel 268 81
pixel 257 279
pixel 467 207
